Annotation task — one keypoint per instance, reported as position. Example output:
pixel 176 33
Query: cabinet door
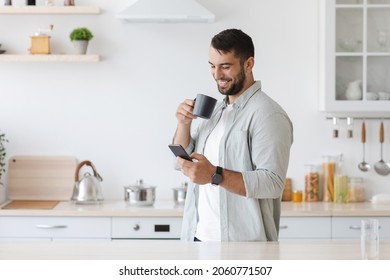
pixel 305 228
pixel 55 227
pixel 349 227
pixel 355 57
pixel 146 227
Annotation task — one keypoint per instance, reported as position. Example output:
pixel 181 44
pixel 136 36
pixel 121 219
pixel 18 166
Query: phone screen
pixel 179 151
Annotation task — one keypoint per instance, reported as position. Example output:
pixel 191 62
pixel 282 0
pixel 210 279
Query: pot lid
pixel 139 185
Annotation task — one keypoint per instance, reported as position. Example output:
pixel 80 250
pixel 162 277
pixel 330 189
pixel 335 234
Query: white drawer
pixel 349 227
pixel 55 227
pixel 305 228
pixel 146 227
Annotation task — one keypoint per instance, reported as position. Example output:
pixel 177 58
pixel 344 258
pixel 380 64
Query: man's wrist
pixel 217 177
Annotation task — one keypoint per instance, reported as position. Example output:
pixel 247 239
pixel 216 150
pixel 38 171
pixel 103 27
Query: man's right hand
pixel 184 112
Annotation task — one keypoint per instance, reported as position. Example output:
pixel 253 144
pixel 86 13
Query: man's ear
pixel 249 63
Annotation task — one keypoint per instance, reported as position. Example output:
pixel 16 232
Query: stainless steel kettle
pixel 87 190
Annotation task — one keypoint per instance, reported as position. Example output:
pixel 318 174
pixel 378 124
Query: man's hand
pixel 198 171
pixel 184 112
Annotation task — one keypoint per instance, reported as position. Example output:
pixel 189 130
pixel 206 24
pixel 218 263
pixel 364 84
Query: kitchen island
pixel 113 220
pixel 179 250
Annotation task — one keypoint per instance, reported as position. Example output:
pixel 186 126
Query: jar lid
pixel 356 179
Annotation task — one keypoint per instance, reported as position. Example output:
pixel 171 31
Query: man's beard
pixel 237 86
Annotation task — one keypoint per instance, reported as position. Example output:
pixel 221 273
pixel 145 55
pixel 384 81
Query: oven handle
pixel 51 226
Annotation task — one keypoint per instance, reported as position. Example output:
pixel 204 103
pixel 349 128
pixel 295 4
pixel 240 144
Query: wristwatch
pixel 216 179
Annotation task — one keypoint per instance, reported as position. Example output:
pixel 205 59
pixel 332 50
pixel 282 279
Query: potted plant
pixel 80 37
pixel 3 153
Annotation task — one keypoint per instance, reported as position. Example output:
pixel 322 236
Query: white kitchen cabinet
pixel 146 227
pixel 354 46
pixel 349 227
pixel 305 228
pixel 55 227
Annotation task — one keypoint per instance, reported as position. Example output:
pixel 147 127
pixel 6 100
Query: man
pixel 241 153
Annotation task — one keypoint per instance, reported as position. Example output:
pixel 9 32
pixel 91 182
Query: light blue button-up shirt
pixel 257 143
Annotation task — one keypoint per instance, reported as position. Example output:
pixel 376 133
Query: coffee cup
pixel 204 106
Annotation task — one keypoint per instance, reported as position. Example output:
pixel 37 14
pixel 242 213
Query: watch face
pixel 217 179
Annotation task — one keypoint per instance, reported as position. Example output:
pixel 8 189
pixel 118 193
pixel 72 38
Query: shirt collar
pixel 244 97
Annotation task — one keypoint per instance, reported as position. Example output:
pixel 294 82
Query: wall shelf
pixel 57 10
pixel 49 58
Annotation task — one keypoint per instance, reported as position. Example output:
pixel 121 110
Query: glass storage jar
pixel 287 191
pixel 356 189
pixel 340 183
pixel 312 188
pixel 296 196
pixel 329 168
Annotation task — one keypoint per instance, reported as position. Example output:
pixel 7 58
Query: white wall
pixel 120 113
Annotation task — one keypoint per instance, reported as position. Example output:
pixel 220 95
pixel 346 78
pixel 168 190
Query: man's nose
pixel 217 73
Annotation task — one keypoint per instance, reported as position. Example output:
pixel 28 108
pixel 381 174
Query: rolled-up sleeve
pixel 269 150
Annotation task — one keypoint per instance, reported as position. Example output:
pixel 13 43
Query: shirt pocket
pixel 238 151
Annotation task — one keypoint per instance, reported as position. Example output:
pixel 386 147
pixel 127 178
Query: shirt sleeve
pixel 270 144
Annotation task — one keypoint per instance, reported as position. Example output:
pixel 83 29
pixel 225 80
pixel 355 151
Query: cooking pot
pixel 179 194
pixel 87 190
pixel 140 194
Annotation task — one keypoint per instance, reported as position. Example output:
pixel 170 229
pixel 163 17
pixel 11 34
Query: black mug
pixel 204 106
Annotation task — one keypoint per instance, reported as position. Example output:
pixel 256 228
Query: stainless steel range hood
pixel 166 11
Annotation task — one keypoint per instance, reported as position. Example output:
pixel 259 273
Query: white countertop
pixel 361 209
pixel 114 208
pixel 179 250
pixel 119 208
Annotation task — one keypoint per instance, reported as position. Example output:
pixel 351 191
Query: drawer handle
pixel 358 227
pixel 51 227
pixel 355 227
pixel 283 227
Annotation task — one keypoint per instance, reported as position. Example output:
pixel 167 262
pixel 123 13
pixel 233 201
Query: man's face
pixel 227 72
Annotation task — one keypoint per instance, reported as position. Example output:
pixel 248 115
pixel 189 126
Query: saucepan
pixel 140 194
pixel 179 194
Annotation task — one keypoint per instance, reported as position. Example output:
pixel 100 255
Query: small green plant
pixel 81 33
pixel 3 153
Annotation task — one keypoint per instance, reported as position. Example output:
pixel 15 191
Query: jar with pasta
pixel 328 170
pixel 312 188
pixel 356 188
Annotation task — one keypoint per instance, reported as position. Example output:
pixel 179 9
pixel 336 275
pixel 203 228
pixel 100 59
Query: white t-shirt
pixel 209 226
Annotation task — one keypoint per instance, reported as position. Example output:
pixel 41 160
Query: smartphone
pixel 179 151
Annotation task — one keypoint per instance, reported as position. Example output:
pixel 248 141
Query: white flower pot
pixel 80 46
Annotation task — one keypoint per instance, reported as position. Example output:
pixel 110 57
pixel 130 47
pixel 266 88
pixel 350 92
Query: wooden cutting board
pixel 41 177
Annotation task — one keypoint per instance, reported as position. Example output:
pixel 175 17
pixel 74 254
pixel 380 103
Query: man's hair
pixel 235 41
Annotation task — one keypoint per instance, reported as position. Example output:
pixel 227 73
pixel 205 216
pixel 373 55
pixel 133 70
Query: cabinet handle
pixel 355 227
pixel 283 227
pixel 51 227
pixel 136 227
